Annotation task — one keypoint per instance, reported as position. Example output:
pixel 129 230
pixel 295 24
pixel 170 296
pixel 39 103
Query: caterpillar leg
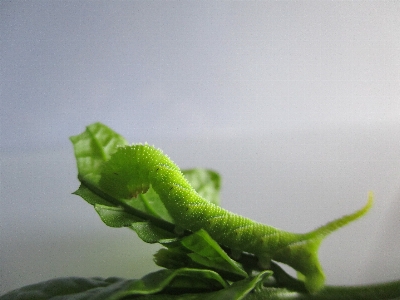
pixel 236 254
pixel 264 262
pixel 179 230
pixel 303 257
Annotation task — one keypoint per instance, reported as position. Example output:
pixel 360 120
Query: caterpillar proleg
pixel 133 169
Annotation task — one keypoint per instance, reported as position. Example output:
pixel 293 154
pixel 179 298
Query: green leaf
pixel 175 257
pixel 115 216
pixel 71 288
pixel 177 281
pixel 164 284
pixel 171 285
pixel 90 197
pixel 207 183
pixel 151 233
pixel 151 203
pixel 200 251
pixel 123 215
pixel 94 146
pixel 207 252
pixel 236 291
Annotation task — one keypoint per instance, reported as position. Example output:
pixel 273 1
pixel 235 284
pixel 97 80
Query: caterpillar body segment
pixel 132 169
pixel 243 234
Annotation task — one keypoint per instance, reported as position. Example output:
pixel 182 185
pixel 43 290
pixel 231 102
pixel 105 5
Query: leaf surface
pixel 209 253
pixel 169 284
pixel 94 146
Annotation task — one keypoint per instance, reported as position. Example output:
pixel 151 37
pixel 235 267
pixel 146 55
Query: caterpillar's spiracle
pixel 132 169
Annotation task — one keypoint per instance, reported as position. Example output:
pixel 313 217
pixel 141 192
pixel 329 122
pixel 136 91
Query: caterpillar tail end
pixel 302 254
pixel 303 257
pixel 315 283
pixel 332 226
pixel 308 262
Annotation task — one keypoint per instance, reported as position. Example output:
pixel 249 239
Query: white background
pixel 296 104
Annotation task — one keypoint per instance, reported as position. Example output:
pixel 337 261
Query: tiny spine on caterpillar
pixel 138 166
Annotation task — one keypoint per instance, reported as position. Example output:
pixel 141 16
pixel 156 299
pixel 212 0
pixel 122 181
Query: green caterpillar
pixel 132 169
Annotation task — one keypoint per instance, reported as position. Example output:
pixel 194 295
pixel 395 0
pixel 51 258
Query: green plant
pixel 138 187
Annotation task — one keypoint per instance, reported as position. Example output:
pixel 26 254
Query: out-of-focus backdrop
pixel 296 104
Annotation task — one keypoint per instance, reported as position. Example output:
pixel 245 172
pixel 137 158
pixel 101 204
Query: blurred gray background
pixel 296 104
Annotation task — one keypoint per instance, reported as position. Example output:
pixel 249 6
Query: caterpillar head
pixel 128 172
pixel 122 176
